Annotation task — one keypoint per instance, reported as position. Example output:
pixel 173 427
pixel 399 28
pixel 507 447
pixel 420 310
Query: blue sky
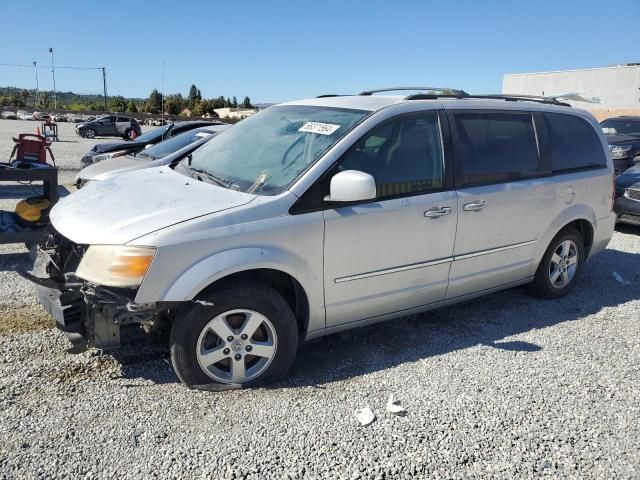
pixel 281 50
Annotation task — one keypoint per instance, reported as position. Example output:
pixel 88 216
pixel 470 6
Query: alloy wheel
pixel 564 264
pixel 236 346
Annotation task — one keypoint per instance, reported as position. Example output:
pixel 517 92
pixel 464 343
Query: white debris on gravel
pixel 393 406
pixel 364 416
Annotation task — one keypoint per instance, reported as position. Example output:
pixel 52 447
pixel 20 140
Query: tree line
pixel 174 104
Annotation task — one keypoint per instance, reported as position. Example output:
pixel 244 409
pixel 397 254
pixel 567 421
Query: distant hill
pixel 12 96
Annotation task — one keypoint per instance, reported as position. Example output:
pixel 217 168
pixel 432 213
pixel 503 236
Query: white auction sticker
pixel 320 128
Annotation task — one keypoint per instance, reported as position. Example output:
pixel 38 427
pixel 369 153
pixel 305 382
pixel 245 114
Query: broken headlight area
pixel 89 314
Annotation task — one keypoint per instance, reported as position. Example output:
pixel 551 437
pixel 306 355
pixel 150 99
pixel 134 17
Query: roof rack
pixel 445 90
pixel 521 98
pixel 497 96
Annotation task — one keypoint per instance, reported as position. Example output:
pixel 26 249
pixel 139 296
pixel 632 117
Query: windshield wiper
pixel 199 173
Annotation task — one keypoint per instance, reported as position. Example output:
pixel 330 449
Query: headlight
pixel 618 151
pixel 115 265
pixel 107 156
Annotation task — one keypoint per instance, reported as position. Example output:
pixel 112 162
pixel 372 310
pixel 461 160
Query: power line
pixel 47 68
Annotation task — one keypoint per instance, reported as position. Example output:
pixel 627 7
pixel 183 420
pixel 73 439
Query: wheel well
pixel 585 229
pixel 281 282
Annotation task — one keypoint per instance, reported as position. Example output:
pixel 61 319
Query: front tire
pixel 242 333
pixel 89 133
pixel 561 265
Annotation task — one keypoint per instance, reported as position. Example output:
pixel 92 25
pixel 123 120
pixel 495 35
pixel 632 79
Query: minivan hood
pixel 124 207
pixel 112 165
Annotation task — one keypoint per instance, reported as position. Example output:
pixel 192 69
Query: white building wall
pixel 617 87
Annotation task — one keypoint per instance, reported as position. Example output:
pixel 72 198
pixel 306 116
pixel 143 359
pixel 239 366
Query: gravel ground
pixel 505 386
pixel 67 152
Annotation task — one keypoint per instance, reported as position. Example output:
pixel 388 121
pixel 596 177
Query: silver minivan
pixel 325 214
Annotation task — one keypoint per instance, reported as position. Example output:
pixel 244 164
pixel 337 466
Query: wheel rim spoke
pixel 211 357
pixel 565 278
pixel 221 328
pixel 573 260
pixel 555 259
pixel 238 370
pixel 555 276
pixel 265 350
pixel 251 324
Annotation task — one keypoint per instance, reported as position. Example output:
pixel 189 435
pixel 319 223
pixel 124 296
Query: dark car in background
pixel 110 126
pixel 105 151
pixel 623 136
pixel 627 203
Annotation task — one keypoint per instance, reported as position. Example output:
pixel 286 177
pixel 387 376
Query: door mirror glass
pixel 352 186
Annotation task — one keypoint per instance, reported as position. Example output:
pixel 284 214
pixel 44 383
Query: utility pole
pixel 35 67
pixel 53 72
pixel 104 85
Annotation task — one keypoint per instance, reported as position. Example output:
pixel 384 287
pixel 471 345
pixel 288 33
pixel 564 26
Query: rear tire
pixel 209 343
pixel 560 266
pixel 130 134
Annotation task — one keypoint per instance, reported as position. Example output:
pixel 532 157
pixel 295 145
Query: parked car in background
pixel 110 126
pixel 105 151
pixel 623 136
pixel 627 205
pixel 326 214
pixel 59 117
pixel 24 115
pixel 168 152
pixel 8 115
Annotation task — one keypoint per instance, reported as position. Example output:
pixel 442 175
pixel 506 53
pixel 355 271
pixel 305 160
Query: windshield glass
pixel 153 135
pixel 173 144
pixel 267 151
pixel 626 127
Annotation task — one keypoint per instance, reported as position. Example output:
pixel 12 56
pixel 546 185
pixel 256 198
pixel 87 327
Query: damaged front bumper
pixel 90 315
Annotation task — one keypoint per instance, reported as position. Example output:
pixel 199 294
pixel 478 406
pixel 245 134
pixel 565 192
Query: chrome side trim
pixel 387 271
pixel 494 250
pixel 431 263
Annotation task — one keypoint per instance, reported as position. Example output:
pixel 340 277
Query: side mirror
pixel 352 186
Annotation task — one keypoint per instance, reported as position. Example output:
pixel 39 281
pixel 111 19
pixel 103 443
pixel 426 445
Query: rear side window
pixel 495 147
pixel 123 119
pixel 573 143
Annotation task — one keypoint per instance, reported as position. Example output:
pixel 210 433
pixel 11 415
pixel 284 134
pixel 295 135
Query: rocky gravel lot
pixel 504 387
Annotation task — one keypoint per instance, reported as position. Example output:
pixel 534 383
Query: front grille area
pixel 64 255
pixel 632 193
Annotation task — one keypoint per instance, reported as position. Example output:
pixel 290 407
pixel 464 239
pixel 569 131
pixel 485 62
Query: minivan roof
pixel 377 102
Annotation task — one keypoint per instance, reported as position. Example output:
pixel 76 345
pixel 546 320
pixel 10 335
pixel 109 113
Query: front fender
pixel 219 265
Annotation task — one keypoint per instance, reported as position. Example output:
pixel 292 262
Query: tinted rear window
pixel 573 143
pixel 495 147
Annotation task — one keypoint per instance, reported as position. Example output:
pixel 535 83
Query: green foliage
pixel 246 103
pixel 154 102
pixel 132 107
pixel 234 102
pixel 117 104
